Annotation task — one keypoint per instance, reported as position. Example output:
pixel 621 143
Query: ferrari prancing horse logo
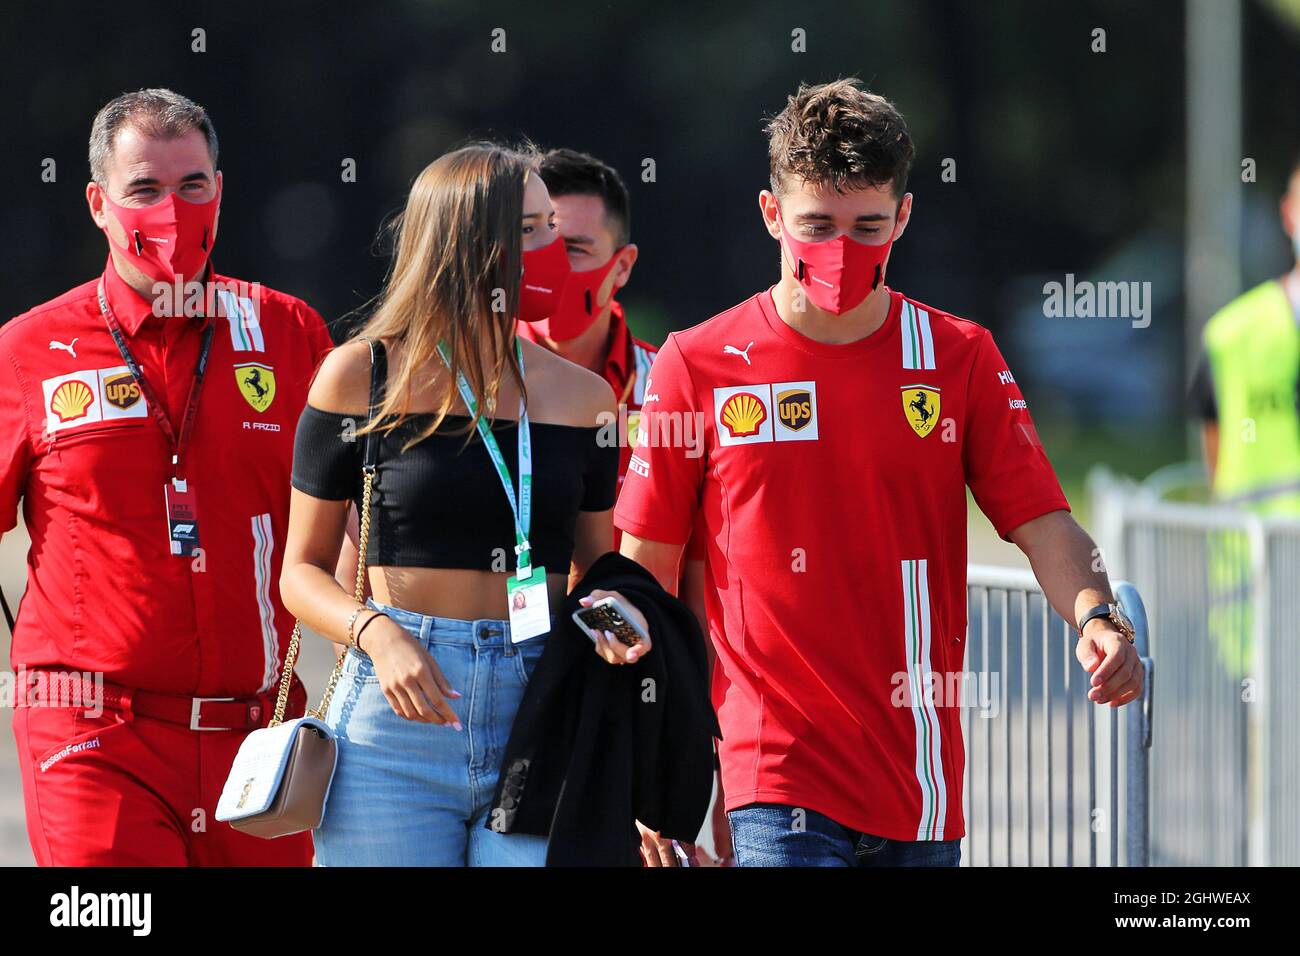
pixel 921 407
pixel 257 384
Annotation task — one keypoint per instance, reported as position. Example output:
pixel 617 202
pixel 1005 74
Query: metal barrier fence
pixel 1225 586
pixel 1051 779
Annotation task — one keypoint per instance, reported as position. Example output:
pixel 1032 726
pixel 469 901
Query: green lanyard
pixel 522 507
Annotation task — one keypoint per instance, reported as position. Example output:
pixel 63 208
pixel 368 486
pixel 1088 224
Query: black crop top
pixel 440 504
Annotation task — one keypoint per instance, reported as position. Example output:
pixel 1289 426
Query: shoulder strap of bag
pixel 378 387
pixel 370 459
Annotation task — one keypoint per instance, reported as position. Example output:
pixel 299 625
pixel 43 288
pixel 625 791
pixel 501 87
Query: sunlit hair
pixel 455 279
pixel 840 136
pixel 158 113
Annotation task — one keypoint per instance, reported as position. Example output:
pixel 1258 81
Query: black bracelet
pixel 356 638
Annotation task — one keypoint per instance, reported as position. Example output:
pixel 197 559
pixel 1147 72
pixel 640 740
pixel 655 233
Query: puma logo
pixel 70 349
pixel 743 353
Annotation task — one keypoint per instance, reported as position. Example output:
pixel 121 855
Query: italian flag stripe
pixel 905 333
pixel 927 340
pixel 235 316
pixel 918 341
pixel 929 732
pixel 911 335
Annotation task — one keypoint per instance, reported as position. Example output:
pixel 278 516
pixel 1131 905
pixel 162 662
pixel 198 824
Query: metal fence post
pixel 1259 776
pixel 1139 732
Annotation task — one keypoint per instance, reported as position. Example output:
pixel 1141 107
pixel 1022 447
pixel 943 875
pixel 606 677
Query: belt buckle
pixel 197 705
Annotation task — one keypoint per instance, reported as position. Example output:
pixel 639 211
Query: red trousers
pixel 123 789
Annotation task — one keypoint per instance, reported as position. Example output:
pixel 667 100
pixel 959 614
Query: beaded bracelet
pixel 351 623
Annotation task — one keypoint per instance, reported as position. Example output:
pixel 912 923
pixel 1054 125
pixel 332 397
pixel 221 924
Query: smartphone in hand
pixel 608 614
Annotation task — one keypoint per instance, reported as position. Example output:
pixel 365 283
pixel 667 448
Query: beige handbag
pixel 280 779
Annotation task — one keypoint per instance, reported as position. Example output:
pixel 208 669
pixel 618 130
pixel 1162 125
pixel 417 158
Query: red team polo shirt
pixel 831 490
pixel 627 367
pixel 80 447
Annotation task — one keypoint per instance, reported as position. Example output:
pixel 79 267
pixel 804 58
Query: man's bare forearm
pixel 1066 562
pixel 664 561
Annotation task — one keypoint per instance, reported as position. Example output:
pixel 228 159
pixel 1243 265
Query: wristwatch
pixel 1114 613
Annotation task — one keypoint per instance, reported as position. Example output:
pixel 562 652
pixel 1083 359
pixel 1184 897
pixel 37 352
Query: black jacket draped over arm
pixel 597 746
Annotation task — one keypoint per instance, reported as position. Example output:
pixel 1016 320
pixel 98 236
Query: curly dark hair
pixel 837 134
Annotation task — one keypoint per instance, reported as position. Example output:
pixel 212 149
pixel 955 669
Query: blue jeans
pixel 771 834
pixel 407 793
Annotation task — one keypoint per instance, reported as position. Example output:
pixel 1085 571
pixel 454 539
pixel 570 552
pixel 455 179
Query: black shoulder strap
pixel 378 383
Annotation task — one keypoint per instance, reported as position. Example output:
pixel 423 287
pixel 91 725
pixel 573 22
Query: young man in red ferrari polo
pixel 146 424
pixel 843 422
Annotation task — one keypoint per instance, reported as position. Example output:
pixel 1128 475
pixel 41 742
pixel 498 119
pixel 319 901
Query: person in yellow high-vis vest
pixel 1247 395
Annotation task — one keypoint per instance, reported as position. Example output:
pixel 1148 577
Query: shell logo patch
pixel 743 414
pixel 71 400
pixel 921 407
pixel 257 384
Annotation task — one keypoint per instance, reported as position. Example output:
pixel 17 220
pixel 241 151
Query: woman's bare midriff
pixel 454 592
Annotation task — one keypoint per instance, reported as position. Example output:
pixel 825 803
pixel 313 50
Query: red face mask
pixel 171 238
pixel 839 273
pixel 579 304
pixel 545 272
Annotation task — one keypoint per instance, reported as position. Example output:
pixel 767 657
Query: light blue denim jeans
pixel 407 793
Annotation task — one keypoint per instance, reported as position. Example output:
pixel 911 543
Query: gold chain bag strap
pixel 280 779
pixel 367 483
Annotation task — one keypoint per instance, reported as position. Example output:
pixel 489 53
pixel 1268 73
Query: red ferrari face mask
pixel 839 273
pixel 545 272
pixel 171 238
pixel 579 303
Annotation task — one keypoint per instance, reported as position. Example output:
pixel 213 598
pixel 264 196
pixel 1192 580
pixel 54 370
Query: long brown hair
pixel 455 279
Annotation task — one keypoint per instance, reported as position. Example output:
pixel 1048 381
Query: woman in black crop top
pixel 437 660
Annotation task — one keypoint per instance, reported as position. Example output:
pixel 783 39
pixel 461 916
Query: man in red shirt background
pixel 594 219
pixel 842 423
pixel 147 424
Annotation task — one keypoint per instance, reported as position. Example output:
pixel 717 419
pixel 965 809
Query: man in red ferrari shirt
pixel 593 218
pixel 842 423
pixel 147 424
